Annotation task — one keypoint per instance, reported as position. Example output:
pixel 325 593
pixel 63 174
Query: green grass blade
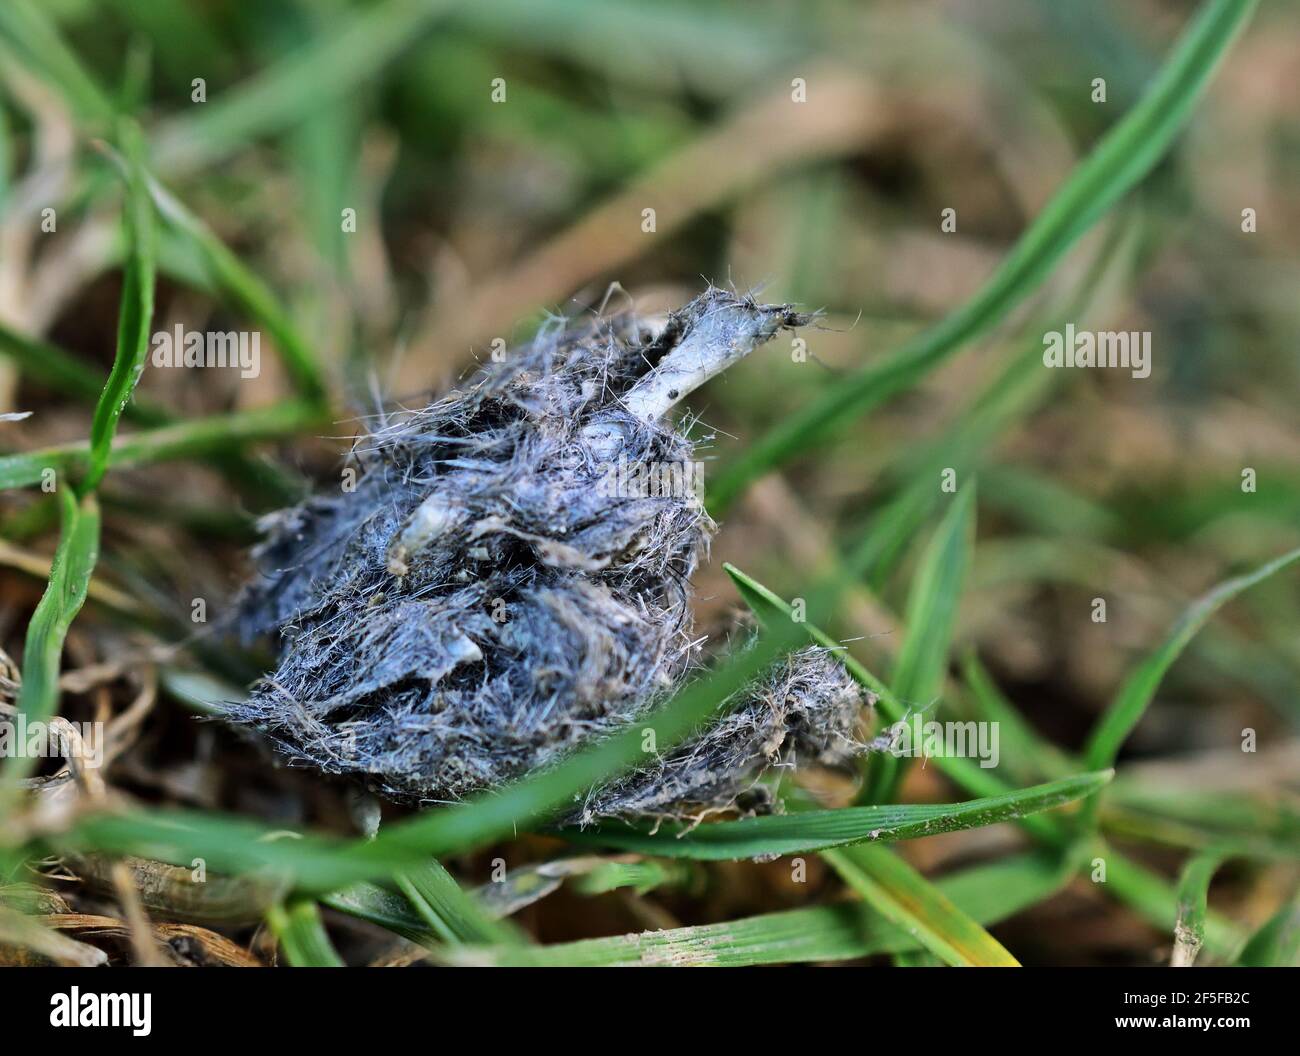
pixel 904 897
pixel 1140 687
pixel 1216 818
pixel 1149 895
pixel 1193 890
pixel 932 604
pixel 1022 748
pixel 135 315
pixel 37 43
pixel 718 50
pixel 242 287
pixel 642 877
pixel 817 830
pixel 496 899
pixel 929 621
pixel 449 911
pixel 229 845
pixel 988 893
pixel 991 892
pixel 1045 506
pixel 384 908
pixel 226 274
pixel 74 561
pixel 1010 397
pixel 917 959
pixel 330 67
pixel 1277 943
pixel 1119 161
pixel 826 933
pixel 6 161
pixel 315 864
pixel 302 935
pixel 203 436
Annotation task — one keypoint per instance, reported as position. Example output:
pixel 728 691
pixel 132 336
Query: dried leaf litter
pixel 482 602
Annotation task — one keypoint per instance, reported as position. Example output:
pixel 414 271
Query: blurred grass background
pixel 478 220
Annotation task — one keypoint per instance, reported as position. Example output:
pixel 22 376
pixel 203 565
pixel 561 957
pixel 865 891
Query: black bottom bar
pixel 327 1007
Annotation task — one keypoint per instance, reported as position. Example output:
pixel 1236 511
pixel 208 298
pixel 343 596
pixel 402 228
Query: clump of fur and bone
pixel 483 602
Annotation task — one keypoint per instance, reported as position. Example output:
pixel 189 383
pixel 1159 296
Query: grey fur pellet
pixel 482 602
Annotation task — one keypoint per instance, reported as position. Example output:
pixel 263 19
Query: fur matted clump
pixel 806 708
pixel 499 587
